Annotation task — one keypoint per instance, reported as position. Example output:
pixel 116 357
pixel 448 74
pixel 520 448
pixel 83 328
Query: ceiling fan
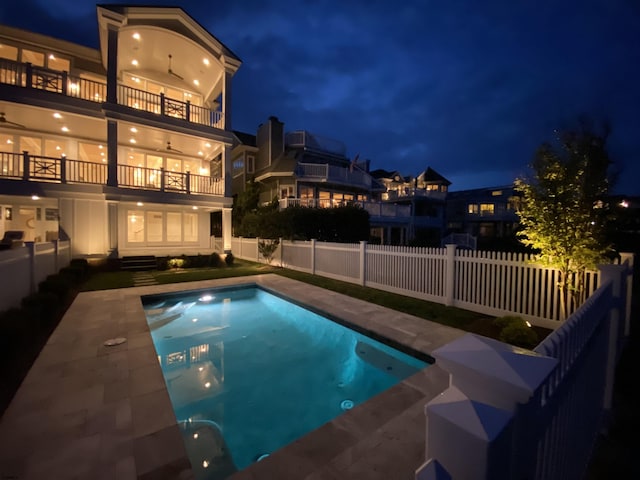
pixel 168 148
pixel 6 123
pixel 171 72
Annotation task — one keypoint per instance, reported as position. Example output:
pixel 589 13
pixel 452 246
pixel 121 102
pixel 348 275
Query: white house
pixel 124 149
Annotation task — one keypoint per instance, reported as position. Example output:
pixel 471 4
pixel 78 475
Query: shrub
pixel 199 261
pixel 515 331
pixel 162 263
pixel 80 264
pixel 267 248
pixel 42 307
pixel 214 260
pixel 75 274
pixel 59 285
pixel 229 259
pixel 176 263
pixel 15 328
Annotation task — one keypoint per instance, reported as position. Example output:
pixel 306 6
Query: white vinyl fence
pixel 515 414
pixel 493 283
pixel 23 268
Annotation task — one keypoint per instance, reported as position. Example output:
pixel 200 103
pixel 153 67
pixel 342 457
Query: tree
pixel 563 214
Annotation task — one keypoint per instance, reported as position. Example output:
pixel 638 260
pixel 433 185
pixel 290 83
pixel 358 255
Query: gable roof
pixel 245 138
pixel 431 176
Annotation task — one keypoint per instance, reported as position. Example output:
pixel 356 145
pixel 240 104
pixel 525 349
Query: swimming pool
pixel 249 372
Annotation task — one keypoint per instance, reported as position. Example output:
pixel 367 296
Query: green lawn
pixel 451 316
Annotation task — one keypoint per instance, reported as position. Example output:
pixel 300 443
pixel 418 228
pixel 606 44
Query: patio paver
pixel 90 411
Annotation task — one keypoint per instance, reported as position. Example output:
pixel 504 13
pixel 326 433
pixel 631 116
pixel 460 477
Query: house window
pixel 513 203
pixel 92 152
pixel 190 227
pixel 9 52
pixel 34 58
pixel 135 226
pixel 174 227
pixel 60 64
pixel 487 208
pixel 472 208
pixel 50 214
pixel 251 160
pixel 496 193
pixel 154 226
pixel 8 213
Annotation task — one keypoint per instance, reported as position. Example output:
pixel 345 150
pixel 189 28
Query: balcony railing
pixel 163 105
pixel 27 75
pixel 23 166
pixel 333 174
pixel 302 138
pixel 414 192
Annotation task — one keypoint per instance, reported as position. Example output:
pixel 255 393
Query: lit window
pixel 487 208
pixel 472 208
pixel 496 193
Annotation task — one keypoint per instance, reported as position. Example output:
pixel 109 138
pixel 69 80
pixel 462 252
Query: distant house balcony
pixel 413 192
pixel 309 141
pixel 26 167
pixel 26 75
pixel 313 172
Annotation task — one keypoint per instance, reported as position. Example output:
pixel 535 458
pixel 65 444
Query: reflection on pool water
pixel 249 372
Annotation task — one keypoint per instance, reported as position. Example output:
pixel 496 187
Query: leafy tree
pixel 563 214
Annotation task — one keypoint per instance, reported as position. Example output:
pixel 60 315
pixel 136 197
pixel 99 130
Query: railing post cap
pixel 488 366
pixel 482 420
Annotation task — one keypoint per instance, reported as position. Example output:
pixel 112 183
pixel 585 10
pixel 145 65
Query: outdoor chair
pixel 12 239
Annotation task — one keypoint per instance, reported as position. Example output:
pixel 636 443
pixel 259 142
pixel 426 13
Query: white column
pixel 226 170
pixel 226 229
pixel 226 100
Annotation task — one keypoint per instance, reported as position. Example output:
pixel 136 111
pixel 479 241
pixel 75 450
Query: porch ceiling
pixel 42 121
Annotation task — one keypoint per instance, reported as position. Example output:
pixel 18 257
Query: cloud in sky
pixel 470 89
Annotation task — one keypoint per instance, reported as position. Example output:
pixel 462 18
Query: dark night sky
pixel 468 88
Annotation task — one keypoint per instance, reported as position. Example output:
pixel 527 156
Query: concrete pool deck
pixel 90 411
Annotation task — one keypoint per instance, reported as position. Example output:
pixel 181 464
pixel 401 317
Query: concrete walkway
pixel 86 410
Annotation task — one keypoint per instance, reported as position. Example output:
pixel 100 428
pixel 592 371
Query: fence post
pixel 363 263
pixel 56 255
pixel 31 249
pixel 313 256
pixel 627 259
pixel 258 249
pixel 450 277
pixel 472 428
pixel 281 251
pixel 614 274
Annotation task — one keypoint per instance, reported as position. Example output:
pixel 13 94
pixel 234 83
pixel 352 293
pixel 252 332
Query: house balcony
pixel 316 143
pixel 35 168
pixel 414 193
pixel 313 172
pixel 28 76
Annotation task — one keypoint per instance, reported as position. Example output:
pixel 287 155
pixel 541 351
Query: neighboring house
pixel 125 149
pixel 305 169
pixel 243 163
pixel 423 197
pixel 486 213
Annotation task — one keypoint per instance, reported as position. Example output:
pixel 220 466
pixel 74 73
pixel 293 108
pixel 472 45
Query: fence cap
pixel 496 364
pixel 481 420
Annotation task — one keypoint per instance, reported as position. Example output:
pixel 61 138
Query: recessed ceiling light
pixel 9 141
pixel 100 147
pixel 52 56
pixel 136 36
pixel 57 147
pixel 133 129
pixel 205 61
pixel 132 140
pixel 140 204
pixel 35 197
pixel 196 82
pixel 65 129
pixel 208 145
pixel 134 62
pixel 200 153
pixel 194 207
pixel 57 115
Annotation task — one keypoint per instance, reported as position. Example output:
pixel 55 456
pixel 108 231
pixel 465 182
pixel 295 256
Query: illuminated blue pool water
pixel 249 372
